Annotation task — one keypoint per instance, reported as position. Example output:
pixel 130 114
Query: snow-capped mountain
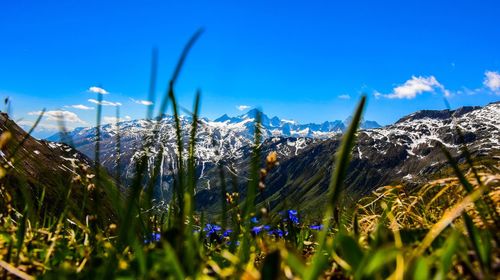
pixel 406 151
pixel 221 139
pixel 282 127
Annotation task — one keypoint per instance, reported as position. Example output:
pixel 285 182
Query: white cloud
pixel 344 96
pixel 42 126
pixel 98 90
pixel 414 86
pixel 59 115
pixel 80 106
pixel 142 102
pixel 492 81
pixel 51 121
pixel 242 107
pixel 105 103
pixel 112 120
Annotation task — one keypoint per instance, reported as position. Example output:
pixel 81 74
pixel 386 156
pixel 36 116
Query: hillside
pixel 405 152
pixel 225 139
pixel 53 174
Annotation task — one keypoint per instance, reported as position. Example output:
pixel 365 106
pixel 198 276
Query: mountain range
pixel 405 152
pixel 223 139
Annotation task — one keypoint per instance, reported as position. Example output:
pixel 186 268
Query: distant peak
pixel 222 118
pixel 252 113
pixel 438 114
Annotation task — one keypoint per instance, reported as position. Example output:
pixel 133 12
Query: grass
pixel 444 229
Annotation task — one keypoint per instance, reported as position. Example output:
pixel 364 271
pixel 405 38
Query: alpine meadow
pixel 302 159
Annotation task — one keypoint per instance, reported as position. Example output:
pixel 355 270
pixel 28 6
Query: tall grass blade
pixel 449 216
pixel 179 65
pixel 249 205
pixel 481 206
pixel 481 247
pixel 21 233
pixel 335 188
pixel 118 147
pixel 344 155
pixel 191 175
pixel 26 137
pixel 447 254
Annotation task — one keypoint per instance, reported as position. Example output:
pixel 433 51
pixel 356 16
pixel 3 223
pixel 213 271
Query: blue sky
pixel 304 61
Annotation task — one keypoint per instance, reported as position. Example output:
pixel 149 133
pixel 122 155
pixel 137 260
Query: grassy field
pixel 448 228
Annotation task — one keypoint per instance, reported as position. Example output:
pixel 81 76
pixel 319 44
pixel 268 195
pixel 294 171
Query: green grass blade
pixel 249 205
pixel 173 262
pixel 21 233
pixel 349 250
pixel 480 204
pixel 480 247
pixel 446 258
pixel 335 188
pixel 344 155
pixel 272 266
pixel 223 196
pixel 191 155
pixel 21 143
pixel 118 147
pixel 421 270
pixel 178 67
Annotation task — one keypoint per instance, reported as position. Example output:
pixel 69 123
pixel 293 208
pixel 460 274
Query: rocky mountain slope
pixel 224 139
pixel 405 152
pixel 47 170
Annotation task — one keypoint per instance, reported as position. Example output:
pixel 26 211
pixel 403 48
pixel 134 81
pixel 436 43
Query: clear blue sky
pixel 307 61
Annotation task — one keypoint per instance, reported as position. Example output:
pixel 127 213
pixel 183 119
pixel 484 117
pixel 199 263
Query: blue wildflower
pixel 256 230
pixel 211 229
pixel 155 237
pixel 276 232
pixel 267 227
pixel 227 232
pixel 254 220
pixel 316 227
pixel 292 215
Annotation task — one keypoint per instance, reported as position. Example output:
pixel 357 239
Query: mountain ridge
pixel 50 171
pixel 401 152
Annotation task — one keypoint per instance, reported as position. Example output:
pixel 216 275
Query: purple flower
pixel 254 220
pixel 292 215
pixel 316 227
pixel 277 232
pixel 155 237
pixel 256 230
pixel 227 233
pixel 211 229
